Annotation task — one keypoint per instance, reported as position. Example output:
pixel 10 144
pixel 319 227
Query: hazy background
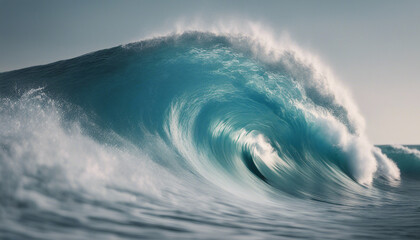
pixel 372 46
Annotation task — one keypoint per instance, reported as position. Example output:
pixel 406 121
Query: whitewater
pixel 196 135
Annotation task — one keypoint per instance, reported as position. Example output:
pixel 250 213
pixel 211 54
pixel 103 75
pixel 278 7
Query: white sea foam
pixel 39 149
pixel 407 150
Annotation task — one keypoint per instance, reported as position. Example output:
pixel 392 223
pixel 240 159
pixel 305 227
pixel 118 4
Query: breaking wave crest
pixel 227 107
pixel 182 118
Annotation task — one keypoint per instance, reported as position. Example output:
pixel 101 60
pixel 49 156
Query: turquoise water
pixel 195 136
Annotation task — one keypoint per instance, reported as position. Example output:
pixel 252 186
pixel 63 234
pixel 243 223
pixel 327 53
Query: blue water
pixel 196 136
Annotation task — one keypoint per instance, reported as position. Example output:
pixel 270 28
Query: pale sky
pixel 371 46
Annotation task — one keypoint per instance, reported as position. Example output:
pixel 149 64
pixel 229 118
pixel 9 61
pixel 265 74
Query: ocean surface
pixel 196 135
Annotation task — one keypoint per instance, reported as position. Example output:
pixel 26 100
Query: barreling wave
pixel 234 133
pixel 232 108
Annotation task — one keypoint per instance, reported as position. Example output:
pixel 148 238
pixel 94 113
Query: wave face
pixel 195 135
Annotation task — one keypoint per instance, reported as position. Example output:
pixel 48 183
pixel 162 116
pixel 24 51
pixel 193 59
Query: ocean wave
pixel 263 114
pixel 202 120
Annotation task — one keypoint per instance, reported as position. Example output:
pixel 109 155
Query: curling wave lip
pixel 190 135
